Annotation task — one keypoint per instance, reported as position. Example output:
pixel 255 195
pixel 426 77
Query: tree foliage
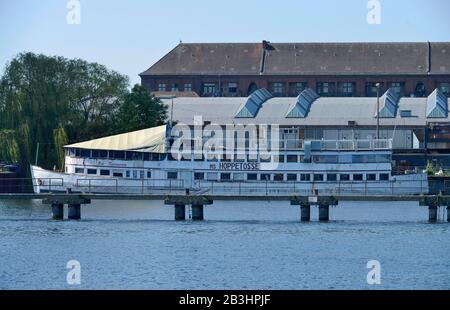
pixel 55 101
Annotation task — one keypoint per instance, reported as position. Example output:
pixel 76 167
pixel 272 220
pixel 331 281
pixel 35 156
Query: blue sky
pixel 129 36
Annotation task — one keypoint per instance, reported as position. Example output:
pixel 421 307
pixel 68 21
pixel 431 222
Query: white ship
pixel 141 163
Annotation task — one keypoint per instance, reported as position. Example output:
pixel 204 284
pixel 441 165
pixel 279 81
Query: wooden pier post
pixel 180 212
pixel 432 213
pixel 305 212
pixel 324 213
pixel 74 212
pixel 448 214
pixel 58 211
pixel 197 212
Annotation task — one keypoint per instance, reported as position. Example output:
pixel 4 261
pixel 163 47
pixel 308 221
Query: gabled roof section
pixel 389 104
pixel 304 101
pixel 437 105
pixel 147 140
pixel 254 102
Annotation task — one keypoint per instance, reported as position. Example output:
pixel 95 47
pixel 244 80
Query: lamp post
pixel 378 110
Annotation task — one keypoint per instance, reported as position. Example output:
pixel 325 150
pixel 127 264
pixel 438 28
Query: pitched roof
pixel 304 59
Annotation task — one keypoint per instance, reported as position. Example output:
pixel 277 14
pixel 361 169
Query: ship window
pixel 79 170
pixel 212 176
pixel 225 176
pixel 280 158
pixel 357 177
pixel 72 152
pixel 384 177
pixel 265 177
pixel 238 176
pixel 118 155
pixel 135 174
pixel 155 157
pixel 318 177
pixel 252 177
pixel 371 177
pixel 104 172
pixel 92 171
pixel 86 153
pixel 383 158
pixel 265 159
pixel 344 177
pixel 292 158
pixel 305 177
pixel 127 173
pixel 172 175
pixel 199 176
pixel 292 177
pixel 99 154
pixel 149 174
pixel 117 173
pixel 278 177
pixel 332 177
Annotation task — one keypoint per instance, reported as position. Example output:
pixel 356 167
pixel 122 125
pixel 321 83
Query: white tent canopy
pixel 150 140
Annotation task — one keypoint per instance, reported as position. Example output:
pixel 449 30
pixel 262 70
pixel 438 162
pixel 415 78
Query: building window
pixel 296 88
pixel 209 88
pixel 172 175
pixel 232 88
pixel 420 90
pixel 175 87
pixel 332 177
pixel 292 158
pixel 445 89
pixel 225 176
pixel 92 171
pixel 252 177
pixel 371 177
pixel 397 87
pixel 279 177
pixel 357 177
pixel 199 176
pixel 384 177
pixel 344 177
pixel 346 89
pixel 371 89
pixel 188 87
pixel 325 89
pixel 104 172
pixel 305 177
pixel 292 177
pixel 318 177
pixel 265 177
pixel 277 89
pixel 79 170
pixel 162 87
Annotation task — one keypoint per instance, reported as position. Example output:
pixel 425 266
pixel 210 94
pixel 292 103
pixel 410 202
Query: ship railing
pixel 128 186
pixel 28 185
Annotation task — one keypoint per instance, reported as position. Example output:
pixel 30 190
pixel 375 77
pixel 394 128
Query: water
pixel 241 245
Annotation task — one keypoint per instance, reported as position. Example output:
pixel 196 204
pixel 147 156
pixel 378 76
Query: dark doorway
pixel 252 88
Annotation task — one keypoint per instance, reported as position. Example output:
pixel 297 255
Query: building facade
pixel 286 69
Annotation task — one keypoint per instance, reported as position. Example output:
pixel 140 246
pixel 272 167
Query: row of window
pixel 119 155
pixel 118 173
pixel 187 87
pixel 207 88
pixel 281 177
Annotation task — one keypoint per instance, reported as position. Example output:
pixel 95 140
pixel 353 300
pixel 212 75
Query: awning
pixel 150 140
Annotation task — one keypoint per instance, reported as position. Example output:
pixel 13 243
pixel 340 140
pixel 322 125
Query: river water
pixel 240 245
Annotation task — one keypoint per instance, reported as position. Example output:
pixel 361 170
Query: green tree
pixel 140 110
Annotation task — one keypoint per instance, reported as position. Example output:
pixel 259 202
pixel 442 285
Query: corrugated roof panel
pixel 437 105
pixel 254 102
pixel 389 104
pixel 304 101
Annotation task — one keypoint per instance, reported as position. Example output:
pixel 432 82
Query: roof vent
pixel 437 105
pixel 389 104
pixel 254 102
pixel 304 101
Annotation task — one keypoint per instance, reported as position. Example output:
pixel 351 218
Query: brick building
pixel 285 69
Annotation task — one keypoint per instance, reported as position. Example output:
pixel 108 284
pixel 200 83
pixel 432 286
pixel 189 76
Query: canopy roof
pixel 150 140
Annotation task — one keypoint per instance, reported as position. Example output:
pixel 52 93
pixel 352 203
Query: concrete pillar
pixel 324 213
pixel 448 214
pixel 58 211
pixel 305 211
pixel 432 210
pixel 74 212
pixel 197 212
pixel 180 212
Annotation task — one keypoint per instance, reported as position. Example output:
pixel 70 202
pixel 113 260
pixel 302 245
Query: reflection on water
pixel 248 245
